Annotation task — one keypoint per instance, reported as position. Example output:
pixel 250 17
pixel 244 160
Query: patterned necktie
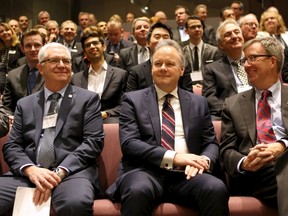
pixel 143 55
pixel 168 124
pixel 196 59
pixel 241 73
pixel 31 80
pixel 46 156
pixel 265 133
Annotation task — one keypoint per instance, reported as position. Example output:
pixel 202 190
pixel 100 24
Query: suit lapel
pixel 186 107
pixel 229 73
pixel 84 79
pixel 65 107
pixel 151 100
pixel 38 112
pixel 109 75
pixel 248 107
pixel 147 72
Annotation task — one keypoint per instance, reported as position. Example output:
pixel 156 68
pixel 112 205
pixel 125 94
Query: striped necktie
pixel 168 124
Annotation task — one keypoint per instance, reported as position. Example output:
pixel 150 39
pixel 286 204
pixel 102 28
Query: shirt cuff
pixel 239 166
pixel 209 162
pixel 167 161
pixel 284 141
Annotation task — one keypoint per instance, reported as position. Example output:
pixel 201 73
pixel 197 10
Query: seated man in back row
pixel 172 163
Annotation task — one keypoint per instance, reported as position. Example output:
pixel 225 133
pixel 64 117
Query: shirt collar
pixel 103 67
pixel 161 93
pixel 198 45
pixel 275 90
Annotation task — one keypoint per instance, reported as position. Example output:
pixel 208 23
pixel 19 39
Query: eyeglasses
pixel 55 61
pixel 95 43
pixel 194 27
pixel 252 58
pixel 252 24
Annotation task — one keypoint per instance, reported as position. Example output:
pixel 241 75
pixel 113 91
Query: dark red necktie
pixel 265 133
pixel 168 124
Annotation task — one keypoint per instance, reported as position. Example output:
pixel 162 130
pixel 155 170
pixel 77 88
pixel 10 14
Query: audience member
pixel 68 31
pixel 238 8
pixel 161 16
pixel 9 47
pixel 83 22
pixel 130 17
pixel 92 19
pixel 102 25
pixel 173 166
pixel 226 13
pixel 42 29
pixel 209 32
pixel 181 15
pixel 107 81
pixel 139 52
pixel 43 17
pixel 15 26
pixel 26 79
pixel 249 26
pixel 69 174
pixel 250 152
pixel 114 41
pixel 52 28
pixel 226 76
pixel 23 24
pixel 198 53
pixel 140 75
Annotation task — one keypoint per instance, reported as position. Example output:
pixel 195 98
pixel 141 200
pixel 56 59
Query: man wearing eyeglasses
pixel 254 128
pixel 249 26
pixel 25 79
pixel 107 81
pixel 226 76
pixel 54 142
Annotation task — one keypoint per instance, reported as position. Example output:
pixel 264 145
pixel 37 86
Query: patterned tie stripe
pixel 168 124
pixel 46 156
pixel 241 73
pixel 265 133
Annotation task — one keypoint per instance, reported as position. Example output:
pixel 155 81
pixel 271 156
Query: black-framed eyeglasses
pixel 252 58
pixel 95 43
pixel 193 27
pixel 251 24
pixel 55 61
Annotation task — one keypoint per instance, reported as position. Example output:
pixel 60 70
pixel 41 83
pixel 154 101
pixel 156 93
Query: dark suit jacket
pixel 209 35
pixel 218 84
pixel 79 129
pixel 114 87
pixel 209 54
pixel 129 57
pixel 140 130
pixel 16 86
pixel 123 44
pixel 140 77
pixel 76 49
pixel 239 127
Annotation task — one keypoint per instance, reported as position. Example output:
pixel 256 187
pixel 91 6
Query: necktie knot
pixel 54 96
pixel 168 97
pixel 265 94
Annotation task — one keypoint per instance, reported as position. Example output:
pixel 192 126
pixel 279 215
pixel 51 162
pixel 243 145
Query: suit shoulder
pixel 116 69
pixel 17 70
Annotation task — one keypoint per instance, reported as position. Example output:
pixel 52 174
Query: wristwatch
pixel 60 172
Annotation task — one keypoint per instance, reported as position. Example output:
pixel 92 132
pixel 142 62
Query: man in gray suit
pixel 25 79
pixel 198 53
pixel 221 78
pixel 71 177
pixel 250 153
pixel 107 81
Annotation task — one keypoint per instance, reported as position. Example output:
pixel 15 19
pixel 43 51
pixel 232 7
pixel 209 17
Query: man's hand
pixel 194 164
pixel 261 155
pixel 44 179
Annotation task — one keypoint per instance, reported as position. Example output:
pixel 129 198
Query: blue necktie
pixel 46 155
pixel 31 80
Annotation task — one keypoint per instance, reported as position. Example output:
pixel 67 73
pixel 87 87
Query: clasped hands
pixel 194 164
pixel 261 155
pixel 44 179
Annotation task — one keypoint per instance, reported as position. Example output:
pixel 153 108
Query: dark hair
pixel 194 17
pixel 32 32
pixel 158 25
pixel 88 34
